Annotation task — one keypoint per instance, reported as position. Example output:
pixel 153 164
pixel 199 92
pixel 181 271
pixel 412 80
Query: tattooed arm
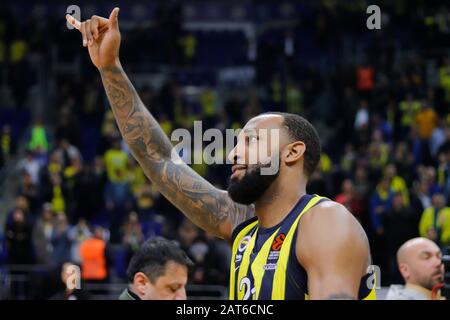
pixel 208 207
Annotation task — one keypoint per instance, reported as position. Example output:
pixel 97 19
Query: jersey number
pixel 246 286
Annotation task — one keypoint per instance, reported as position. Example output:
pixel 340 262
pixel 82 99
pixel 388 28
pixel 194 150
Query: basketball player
pixel 276 255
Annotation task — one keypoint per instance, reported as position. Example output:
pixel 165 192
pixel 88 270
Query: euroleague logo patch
pixel 278 242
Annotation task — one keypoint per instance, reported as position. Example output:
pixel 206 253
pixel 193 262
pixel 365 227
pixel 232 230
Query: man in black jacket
pixel 401 224
pixel 157 271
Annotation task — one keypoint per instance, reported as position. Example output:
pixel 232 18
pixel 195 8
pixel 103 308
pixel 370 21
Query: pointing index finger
pixel 73 21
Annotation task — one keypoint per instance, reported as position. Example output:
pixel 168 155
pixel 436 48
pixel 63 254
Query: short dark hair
pixel 153 256
pixel 300 129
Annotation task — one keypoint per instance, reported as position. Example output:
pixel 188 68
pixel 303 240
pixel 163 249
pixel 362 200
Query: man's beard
pixel 430 282
pixel 251 186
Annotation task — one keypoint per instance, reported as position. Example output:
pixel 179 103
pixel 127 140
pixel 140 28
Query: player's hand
pixel 102 38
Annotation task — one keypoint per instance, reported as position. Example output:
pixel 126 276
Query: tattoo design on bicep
pixel 200 201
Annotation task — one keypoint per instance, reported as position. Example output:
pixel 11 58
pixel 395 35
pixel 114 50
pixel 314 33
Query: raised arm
pixel 208 207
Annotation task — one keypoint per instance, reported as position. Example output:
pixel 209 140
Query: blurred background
pixel 380 100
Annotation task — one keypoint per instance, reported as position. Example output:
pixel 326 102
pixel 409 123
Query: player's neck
pixel 278 201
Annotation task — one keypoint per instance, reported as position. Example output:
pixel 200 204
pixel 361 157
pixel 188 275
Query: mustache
pixel 437 272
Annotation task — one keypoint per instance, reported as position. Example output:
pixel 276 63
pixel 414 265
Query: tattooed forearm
pixel 208 207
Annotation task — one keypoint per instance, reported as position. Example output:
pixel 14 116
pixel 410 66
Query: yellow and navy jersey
pixel 264 265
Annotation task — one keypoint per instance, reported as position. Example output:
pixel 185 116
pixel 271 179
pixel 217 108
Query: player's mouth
pixel 237 169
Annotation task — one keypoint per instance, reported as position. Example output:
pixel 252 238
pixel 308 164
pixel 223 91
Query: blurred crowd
pixel 384 120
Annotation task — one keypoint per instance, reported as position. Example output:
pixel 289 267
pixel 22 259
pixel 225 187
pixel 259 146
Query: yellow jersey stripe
pixel 279 279
pixel 257 266
pixel 236 243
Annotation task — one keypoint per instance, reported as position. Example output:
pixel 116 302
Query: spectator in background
pixel 77 235
pixel 19 68
pixel 378 151
pixel 136 177
pixel 400 225
pixel 42 235
pixel 88 190
pixel 380 204
pixel 426 121
pixel 444 78
pixel 146 196
pixel 444 174
pixel 362 184
pixel 18 237
pixel 187 234
pixel 30 191
pixel 420 198
pixel 382 125
pixel 67 126
pixel 31 166
pixel 409 108
pixel 188 44
pixel 404 162
pixel 397 183
pixel 157 271
pixel 365 79
pixel 71 175
pixel 60 240
pixel 56 193
pixel 132 236
pixel 438 137
pixel 39 138
pixel 109 130
pixel 361 124
pixel 190 239
pixel 95 259
pixel 420 263
pixel 216 267
pixel 20 203
pixel 55 165
pixel 117 189
pixel 348 159
pixel 445 146
pixel 435 222
pixel 349 199
pixel 67 152
pixel 7 145
pixel 430 177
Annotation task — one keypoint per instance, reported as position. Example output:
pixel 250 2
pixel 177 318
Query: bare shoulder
pixel 330 216
pixel 329 229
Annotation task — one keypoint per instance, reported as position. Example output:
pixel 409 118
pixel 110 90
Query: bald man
pixel 420 264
